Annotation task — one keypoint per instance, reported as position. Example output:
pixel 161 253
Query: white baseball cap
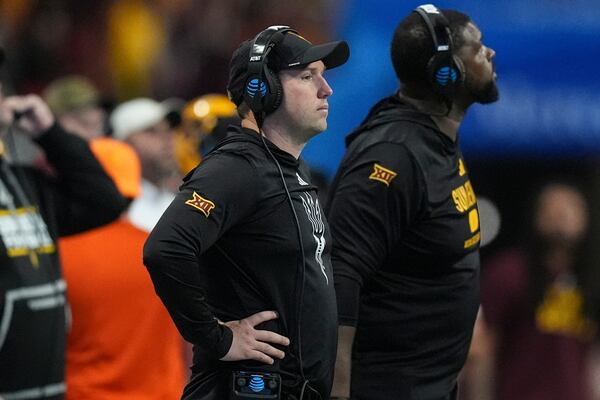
pixel 136 115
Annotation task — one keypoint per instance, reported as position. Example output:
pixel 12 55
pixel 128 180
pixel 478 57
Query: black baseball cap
pixel 293 51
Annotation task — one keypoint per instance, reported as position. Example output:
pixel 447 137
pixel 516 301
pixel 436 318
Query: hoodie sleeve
pixel 377 196
pixel 220 192
pixel 83 195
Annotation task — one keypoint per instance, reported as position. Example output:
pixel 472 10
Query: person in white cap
pixel 142 123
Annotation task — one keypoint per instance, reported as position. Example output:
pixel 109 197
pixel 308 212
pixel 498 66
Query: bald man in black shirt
pixel 404 220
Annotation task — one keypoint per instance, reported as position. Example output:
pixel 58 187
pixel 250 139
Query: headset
pixel 446 71
pixel 263 91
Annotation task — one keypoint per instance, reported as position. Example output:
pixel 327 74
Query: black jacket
pixel 405 230
pixel 34 210
pixel 228 247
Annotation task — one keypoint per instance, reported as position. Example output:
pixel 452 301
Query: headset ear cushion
pixel 255 90
pixel 444 73
pixel 275 92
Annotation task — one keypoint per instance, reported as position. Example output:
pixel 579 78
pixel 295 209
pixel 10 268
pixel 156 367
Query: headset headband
pixel 438 27
pixel 262 45
pixel 445 70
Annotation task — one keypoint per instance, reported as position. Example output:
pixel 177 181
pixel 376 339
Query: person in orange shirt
pixel 122 343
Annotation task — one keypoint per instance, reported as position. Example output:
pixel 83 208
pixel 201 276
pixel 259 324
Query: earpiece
pixel 445 70
pixel 263 91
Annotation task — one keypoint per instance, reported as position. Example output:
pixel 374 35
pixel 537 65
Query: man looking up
pixel 404 219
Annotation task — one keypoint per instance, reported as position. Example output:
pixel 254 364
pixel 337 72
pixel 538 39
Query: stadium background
pixel 546 123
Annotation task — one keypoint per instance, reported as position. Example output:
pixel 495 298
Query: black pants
pixel 382 383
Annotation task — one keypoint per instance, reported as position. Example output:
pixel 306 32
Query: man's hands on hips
pixel 252 344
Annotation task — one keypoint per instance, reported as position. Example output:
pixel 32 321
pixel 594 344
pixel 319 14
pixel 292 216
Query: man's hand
pixel 34 115
pixel 251 344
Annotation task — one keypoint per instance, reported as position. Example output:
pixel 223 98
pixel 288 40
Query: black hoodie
pixel 228 247
pixel 405 231
pixel 35 209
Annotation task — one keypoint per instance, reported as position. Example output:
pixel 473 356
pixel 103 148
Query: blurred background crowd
pixel 153 74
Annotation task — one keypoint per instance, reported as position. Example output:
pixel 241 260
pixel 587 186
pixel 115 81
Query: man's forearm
pixel 343 363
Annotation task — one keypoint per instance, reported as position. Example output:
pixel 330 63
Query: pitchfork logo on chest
pixel 313 212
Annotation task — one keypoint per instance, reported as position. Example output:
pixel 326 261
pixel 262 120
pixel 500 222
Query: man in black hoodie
pixel 241 257
pixel 35 209
pixel 404 219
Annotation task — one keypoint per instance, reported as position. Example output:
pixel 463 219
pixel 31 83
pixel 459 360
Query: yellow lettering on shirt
pixel 461 167
pixel 474 220
pixel 464 197
pixel 473 240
